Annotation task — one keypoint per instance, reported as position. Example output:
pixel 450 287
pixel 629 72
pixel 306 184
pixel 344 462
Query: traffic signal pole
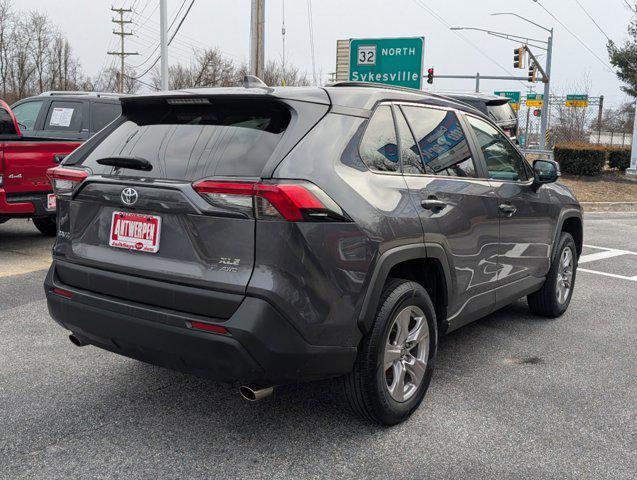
pixel 544 121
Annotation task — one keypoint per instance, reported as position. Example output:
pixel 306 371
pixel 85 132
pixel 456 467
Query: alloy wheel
pixel 406 353
pixel 564 276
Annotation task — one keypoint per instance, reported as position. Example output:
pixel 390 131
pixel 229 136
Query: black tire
pixel 365 387
pixel 46 225
pixel 545 301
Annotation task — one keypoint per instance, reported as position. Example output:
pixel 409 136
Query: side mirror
pixel 545 171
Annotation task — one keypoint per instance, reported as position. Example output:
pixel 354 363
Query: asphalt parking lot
pixel 513 395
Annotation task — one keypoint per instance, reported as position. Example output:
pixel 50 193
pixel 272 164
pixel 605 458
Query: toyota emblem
pixel 129 196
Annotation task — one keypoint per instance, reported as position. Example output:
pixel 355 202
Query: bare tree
pixel 6 20
pixel 34 56
pixel 41 29
pixel 571 124
pixel 209 68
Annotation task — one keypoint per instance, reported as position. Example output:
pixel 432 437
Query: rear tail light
pixel 292 201
pixel 65 180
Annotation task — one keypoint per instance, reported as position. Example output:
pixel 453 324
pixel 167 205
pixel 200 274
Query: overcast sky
pixel 225 24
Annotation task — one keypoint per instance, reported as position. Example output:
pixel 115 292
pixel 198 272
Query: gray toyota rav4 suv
pixel 263 236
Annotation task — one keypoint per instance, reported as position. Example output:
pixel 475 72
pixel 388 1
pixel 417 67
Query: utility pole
pixel 257 38
pixel 632 170
pixel 122 52
pixel 163 39
pixel 600 113
pixel 544 121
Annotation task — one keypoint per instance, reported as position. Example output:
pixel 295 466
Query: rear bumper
pixel 261 345
pixel 24 205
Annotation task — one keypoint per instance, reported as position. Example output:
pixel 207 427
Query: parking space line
pixel 591 257
pixel 606 274
pixel 621 252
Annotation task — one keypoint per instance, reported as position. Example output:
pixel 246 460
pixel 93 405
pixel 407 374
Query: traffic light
pixel 430 75
pixel 518 57
pixel 537 112
pixel 532 72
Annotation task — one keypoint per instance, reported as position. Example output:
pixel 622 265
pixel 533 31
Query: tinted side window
pixel 408 148
pixel 379 149
pixel 64 117
pixel 502 159
pixel 6 123
pixel 27 113
pixel 104 113
pixel 442 142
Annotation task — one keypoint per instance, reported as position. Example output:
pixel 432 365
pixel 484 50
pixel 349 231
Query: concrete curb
pixel 609 206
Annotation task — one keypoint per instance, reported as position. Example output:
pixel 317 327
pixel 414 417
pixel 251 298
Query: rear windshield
pixel 501 113
pixel 190 142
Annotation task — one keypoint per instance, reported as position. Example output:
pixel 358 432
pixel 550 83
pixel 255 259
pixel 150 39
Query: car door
pixel 27 114
pixel 67 119
pixel 457 205
pixel 526 212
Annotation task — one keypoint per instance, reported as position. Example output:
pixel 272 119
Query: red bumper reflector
pixel 209 327
pixel 62 293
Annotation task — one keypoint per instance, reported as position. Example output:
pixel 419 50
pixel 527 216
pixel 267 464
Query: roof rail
pixel 55 93
pixel 376 85
pixel 441 96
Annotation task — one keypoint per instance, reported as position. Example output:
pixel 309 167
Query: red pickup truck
pixel 35 134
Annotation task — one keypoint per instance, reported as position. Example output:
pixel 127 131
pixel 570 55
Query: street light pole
pixel 544 121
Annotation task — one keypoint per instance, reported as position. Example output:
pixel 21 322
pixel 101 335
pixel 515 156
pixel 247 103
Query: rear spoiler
pixel 497 101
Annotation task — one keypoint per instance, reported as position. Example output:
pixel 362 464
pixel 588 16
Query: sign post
pixel 390 61
pixel 514 98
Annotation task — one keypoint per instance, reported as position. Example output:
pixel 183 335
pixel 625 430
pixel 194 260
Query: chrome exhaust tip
pixel 254 394
pixel 77 341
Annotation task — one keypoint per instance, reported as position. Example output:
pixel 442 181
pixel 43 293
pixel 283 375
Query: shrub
pixel 619 158
pixel 580 159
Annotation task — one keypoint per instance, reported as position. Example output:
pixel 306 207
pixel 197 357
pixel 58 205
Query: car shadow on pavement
pixel 314 409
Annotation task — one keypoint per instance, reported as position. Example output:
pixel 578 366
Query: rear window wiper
pixel 134 163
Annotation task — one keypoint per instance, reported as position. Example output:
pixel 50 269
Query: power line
pixel 632 9
pixel 592 20
pixel 157 45
pixel 169 41
pixel 463 38
pixel 581 42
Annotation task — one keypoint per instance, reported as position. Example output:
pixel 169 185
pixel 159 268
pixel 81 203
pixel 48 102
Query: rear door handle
pixel 507 209
pixel 433 204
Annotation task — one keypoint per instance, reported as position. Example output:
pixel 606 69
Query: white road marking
pixel 614 275
pixel 623 252
pixel 591 257
pixel 605 253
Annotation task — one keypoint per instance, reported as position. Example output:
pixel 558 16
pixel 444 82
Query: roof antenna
pixel 252 81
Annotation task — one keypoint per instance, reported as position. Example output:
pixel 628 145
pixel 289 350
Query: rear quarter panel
pixel 317 274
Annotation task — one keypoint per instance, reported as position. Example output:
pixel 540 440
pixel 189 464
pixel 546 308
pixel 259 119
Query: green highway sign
pixel 514 98
pixel 392 61
pixel 576 101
